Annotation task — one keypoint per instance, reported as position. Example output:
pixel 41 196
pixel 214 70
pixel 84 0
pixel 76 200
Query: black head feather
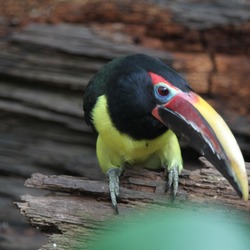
pixel 129 90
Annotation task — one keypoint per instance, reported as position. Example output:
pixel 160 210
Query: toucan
pixel 139 106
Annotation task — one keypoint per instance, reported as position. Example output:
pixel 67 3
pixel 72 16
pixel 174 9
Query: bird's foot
pixel 114 175
pixel 173 181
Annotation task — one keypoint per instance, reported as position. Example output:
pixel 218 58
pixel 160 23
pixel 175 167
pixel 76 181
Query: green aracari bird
pixel 138 106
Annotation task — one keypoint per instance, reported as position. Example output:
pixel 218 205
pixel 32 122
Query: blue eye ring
pixel 163 92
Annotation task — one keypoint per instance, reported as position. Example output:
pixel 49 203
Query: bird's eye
pixel 163 91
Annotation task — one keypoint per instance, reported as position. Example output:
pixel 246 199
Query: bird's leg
pixel 172 163
pixel 114 174
pixel 173 180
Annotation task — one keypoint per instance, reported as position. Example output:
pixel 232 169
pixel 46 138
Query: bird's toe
pixel 113 175
pixel 173 180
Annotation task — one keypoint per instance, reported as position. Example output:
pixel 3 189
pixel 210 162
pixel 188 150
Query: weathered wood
pixel 78 40
pixel 204 14
pixel 78 54
pixel 201 184
pixel 179 25
pixel 80 206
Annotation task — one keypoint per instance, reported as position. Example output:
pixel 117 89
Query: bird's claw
pixel 173 180
pixel 113 175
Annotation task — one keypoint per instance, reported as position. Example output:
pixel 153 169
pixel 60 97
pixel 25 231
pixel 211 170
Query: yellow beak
pixel 193 119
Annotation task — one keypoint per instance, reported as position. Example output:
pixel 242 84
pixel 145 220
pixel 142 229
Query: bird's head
pixel 146 97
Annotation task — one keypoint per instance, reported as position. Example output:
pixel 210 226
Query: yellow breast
pixel 128 149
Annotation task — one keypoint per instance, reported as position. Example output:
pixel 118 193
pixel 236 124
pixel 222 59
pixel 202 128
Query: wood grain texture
pixel 78 207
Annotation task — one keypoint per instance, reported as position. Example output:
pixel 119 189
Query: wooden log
pixel 197 72
pixel 78 40
pixel 78 207
pixel 229 80
pixel 62 56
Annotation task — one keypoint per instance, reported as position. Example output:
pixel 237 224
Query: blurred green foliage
pixel 174 231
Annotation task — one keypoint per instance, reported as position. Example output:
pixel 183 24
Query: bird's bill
pixel 193 119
